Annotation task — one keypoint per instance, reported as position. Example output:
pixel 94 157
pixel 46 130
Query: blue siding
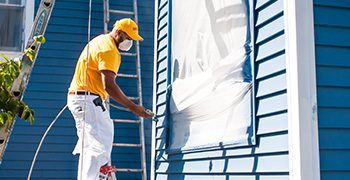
pixel 268 159
pixel 46 93
pixel 332 38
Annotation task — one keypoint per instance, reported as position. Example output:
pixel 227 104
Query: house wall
pixel 268 159
pixel 47 91
pixel 332 43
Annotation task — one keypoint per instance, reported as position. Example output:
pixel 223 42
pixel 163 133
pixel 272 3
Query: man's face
pixel 121 36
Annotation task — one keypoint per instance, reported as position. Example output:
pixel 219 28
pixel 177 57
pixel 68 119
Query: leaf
pixel 5 57
pixel 11 118
pixel 3 95
pixel 12 105
pixel 18 62
pixel 8 81
pixel 40 39
pixel 31 116
pixel 25 114
pixel 20 108
pixel 30 53
pixel 3 118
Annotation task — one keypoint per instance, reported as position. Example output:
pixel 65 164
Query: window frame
pixel 28 17
pixel 251 140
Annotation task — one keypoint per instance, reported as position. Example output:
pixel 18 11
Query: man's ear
pixel 117 33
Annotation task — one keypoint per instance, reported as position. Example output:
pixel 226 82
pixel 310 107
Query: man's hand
pixel 140 111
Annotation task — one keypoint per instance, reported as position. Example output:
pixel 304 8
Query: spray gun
pixel 154 118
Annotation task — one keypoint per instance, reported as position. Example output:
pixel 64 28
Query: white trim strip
pixel 11 5
pixel 154 130
pixel 301 90
pixel 28 19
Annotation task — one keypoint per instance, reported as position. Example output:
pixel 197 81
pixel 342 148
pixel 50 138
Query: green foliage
pixel 40 39
pixel 10 106
pixel 30 53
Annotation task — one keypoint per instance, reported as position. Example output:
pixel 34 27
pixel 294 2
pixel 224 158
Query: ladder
pixel 137 76
pixel 20 84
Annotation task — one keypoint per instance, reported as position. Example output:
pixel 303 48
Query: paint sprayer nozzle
pixel 154 118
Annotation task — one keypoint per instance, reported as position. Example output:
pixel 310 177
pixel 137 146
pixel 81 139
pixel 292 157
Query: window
pixel 211 102
pixel 16 17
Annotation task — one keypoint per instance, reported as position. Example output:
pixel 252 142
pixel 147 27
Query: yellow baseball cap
pixel 129 27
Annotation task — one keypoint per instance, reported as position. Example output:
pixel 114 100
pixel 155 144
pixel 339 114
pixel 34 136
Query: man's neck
pixel 115 41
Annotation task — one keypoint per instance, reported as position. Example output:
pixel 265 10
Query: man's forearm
pixel 117 94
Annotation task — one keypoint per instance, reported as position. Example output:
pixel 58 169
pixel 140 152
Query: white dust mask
pixel 125 45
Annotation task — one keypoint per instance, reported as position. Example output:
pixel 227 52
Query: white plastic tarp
pixel 211 99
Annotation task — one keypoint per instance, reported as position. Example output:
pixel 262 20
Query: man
pixel 92 82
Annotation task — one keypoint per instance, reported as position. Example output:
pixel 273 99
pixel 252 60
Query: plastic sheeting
pixel 211 91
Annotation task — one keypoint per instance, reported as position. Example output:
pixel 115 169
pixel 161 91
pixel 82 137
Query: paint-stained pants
pixel 96 136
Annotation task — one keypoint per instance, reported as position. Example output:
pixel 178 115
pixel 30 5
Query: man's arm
pixel 112 88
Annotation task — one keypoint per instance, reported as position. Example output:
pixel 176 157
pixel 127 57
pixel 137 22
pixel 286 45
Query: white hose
pixel 42 140
pixel 86 87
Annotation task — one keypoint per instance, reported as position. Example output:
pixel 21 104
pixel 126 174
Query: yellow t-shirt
pixel 103 55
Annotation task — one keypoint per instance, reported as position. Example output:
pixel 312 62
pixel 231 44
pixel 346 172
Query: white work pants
pixel 95 145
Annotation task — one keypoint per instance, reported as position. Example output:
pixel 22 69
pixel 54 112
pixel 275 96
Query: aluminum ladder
pixel 140 121
pixel 19 86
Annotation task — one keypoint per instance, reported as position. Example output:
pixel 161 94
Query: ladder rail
pixel 105 15
pixel 140 120
pixel 139 91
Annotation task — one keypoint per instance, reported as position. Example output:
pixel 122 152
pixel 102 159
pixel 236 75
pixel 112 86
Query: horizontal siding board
pixel 337 118
pixel 271 85
pixel 161 120
pixel 268 12
pixel 334 138
pixel 161 99
pixel 336 160
pixel 332 16
pixel 340 36
pixel 162 65
pixel 336 174
pixel 329 3
pixel 163 10
pixel 333 76
pixel 275 45
pixel 325 55
pixel 271 66
pixel 272 104
pixel 270 29
pixel 271 124
pixel 274 163
pixel 333 97
pixel 162 54
pixel 163 43
pixel 163 20
pixel 261 3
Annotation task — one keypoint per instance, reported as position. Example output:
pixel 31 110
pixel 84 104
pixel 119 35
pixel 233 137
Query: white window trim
pixel 301 90
pixel 28 22
pixel 154 124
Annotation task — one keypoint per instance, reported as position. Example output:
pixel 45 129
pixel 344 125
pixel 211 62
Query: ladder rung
pixel 134 98
pixel 129 170
pixel 119 107
pixel 127 75
pixel 126 121
pixel 121 12
pixel 126 145
pixel 127 54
